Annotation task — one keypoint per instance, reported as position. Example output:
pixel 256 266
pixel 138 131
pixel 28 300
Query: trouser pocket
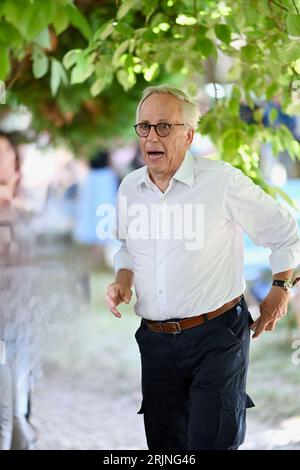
pixel 236 320
pixel 232 418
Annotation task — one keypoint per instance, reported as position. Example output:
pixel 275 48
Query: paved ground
pixel 89 395
pixel 79 412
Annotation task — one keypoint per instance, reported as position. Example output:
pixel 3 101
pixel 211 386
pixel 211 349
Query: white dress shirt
pixel 178 276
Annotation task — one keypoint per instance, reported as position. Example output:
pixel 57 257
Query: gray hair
pixel 190 110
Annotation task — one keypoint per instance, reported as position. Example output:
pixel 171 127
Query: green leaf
pixel 162 54
pixel 125 7
pixel 292 147
pixel 104 69
pixel 293 109
pixel 97 87
pixel 58 75
pixel 149 36
pixel 232 139
pixel 276 145
pixel 40 63
pixel 234 106
pixel 104 31
pixel 223 33
pixel 150 7
pixel 43 39
pixel 175 64
pixel 290 52
pixel 71 57
pixel 276 54
pixel 206 124
pixel 249 53
pixel 258 114
pixel 293 24
pixel 4 63
pixel 11 11
pixel 186 20
pixel 55 77
pixel 206 47
pixel 118 53
pixel 151 72
pixel 251 79
pixel 271 91
pixel 157 19
pixel 297 66
pixel 235 72
pixel 126 79
pixel 273 115
pixel 104 74
pixel 9 34
pixel 60 19
pixel 78 20
pixel 236 93
pixel 32 18
pixel 2 93
pixel 81 72
pixel 125 29
pixel 128 61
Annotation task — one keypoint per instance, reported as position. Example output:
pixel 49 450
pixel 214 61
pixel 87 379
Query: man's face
pixel 163 155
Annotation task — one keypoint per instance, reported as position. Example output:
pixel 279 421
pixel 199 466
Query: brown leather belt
pixel 178 326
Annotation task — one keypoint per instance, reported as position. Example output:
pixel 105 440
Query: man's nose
pixel 152 136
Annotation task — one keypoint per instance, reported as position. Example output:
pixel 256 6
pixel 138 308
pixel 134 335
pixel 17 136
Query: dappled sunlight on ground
pixel 89 394
pixel 288 433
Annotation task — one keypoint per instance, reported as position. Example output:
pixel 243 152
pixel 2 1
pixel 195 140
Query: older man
pixel 181 224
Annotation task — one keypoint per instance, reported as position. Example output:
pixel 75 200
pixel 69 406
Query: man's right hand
pixel 116 294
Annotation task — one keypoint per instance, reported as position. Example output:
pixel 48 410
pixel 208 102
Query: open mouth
pixel 155 154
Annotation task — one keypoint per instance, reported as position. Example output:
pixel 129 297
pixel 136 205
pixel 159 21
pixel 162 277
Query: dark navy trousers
pixel 194 383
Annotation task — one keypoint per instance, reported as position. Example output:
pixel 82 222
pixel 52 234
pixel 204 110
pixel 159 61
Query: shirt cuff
pixel 284 260
pixel 122 260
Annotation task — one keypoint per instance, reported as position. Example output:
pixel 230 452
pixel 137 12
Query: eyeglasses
pixel 162 129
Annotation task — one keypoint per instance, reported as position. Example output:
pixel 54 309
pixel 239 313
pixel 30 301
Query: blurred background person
pixel 15 368
pixel 98 187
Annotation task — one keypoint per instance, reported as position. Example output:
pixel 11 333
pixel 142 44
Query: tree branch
pixel 279 5
pixel 270 2
pixel 296 8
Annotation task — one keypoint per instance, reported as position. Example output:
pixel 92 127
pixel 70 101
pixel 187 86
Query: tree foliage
pixel 80 66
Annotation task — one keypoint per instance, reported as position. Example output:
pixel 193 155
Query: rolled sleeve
pixel 267 223
pixel 122 259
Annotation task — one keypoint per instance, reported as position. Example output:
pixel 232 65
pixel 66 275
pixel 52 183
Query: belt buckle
pixel 177 328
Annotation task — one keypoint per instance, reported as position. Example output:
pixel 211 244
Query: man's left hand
pixel 272 308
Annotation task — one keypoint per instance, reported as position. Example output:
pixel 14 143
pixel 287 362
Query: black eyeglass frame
pixel 155 128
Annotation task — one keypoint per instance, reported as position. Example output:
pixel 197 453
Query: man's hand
pixel 119 291
pixel 272 308
pixel 116 293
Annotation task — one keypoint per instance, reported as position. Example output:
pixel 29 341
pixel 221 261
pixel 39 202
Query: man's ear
pixel 190 136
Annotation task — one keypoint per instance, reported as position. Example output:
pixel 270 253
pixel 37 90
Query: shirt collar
pixel 184 174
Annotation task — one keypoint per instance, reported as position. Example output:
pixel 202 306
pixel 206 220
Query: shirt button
pixel 160 292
